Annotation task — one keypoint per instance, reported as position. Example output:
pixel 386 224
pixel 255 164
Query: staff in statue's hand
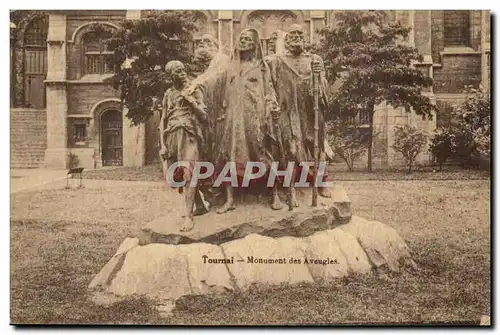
pixel 316 69
pixel 316 66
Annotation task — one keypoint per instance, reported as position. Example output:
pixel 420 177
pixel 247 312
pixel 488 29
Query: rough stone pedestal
pixel 253 216
pixel 249 246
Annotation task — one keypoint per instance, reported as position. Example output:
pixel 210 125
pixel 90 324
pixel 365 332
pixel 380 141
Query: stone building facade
pixel 61 110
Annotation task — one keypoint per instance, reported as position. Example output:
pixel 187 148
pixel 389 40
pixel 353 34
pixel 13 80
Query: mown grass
pixel 58 244
pixel 337 171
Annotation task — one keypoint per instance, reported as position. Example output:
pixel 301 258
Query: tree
pixel 21 17
pixel 141 49
pixel 377 66
pixel 409 141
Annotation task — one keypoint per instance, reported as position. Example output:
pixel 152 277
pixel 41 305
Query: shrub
pixel 409 141
pixel 468 132
pixel 474 120
pixel 347 141
pixel 442 146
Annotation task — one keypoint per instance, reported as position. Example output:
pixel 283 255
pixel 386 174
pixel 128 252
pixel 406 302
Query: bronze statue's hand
pixel 272 104
pixel 203 116
pixel 189 98
pixel 317 67
pixel 188 90
pixel 163 152
pixel 275 113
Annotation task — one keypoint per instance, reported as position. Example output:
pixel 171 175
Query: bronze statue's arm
pixel 271 98
pixel 323 84
pixel 199 107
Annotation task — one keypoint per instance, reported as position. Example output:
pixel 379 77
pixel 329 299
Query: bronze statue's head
pixel 205 51
pixel 209 42
pixel 247 42
pixel 295 39
pixel 175 71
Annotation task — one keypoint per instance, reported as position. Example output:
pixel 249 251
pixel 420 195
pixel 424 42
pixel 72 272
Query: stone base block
pixel 166 272
pixel 252 217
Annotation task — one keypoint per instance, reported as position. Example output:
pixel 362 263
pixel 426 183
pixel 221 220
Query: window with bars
pixel 456 28
pixel 360 120
pixel 35 63
pixel 97 58
pixel 364 117
pixel 80 135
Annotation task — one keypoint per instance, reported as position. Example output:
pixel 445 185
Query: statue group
pixel 242 108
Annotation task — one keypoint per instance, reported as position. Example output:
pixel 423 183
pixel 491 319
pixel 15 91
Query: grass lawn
pixel 61 238
pixel 337 171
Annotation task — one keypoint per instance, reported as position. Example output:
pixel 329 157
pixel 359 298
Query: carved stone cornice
pixel 55 82
pixel 54 43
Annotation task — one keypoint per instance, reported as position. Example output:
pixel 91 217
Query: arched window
pixel 35 62
pixel 96 56
pixel 456 28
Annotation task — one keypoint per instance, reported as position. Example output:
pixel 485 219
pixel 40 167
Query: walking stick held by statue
pixel 316 136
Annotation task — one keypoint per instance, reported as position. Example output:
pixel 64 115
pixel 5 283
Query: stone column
pixel 411 23
pixel 422 25
pixel 485 49
pixel 423 42
pixel 134 142
pixel 134 137
pixel 225 31
pixel 56 155
pixel 317 22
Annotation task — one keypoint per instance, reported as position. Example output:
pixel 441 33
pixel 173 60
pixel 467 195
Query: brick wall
pixel 445 103
pixel 456 72
pixel 82 97
pixel 475 22
pixel 28 137
pixel 444 112
pixel 78 17
pixel 74 50
pixel 437 31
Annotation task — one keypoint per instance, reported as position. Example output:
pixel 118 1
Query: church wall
pixel 78 23
pixel 82 97
pixel 451 69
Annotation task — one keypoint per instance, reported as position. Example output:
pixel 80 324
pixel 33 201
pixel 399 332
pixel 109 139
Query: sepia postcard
pixel 250 167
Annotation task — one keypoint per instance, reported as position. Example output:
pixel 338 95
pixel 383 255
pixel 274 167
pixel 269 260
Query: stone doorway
pixel 112 138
